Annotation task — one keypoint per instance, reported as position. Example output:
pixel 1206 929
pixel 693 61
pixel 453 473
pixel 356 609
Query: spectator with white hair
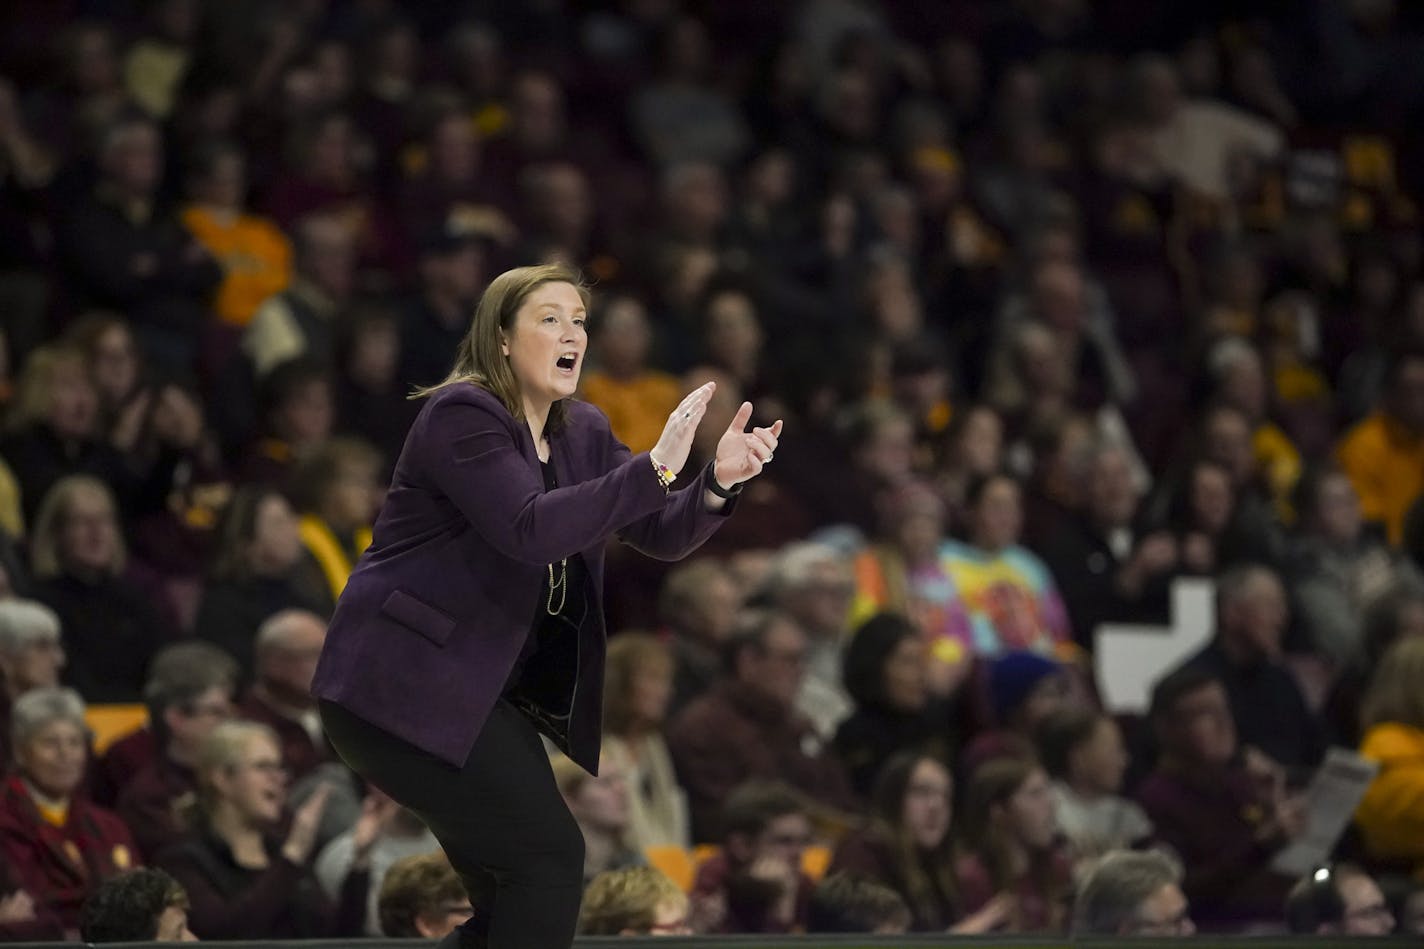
pixel 56 845
pixel 288 644
pixel 1132 893
pixel 815 584
pixel 31 655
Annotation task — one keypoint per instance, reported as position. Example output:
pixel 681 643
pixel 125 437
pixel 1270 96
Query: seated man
pixel 746 727
pixel 635 901
pixel 422 898
pixel 1132 893
pixel 1225 815
pixel 755 884
pixel 1269 710
pixel 1339 901
pixel 189 692
pixel 139 906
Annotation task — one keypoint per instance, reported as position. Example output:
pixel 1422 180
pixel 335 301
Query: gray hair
pixel 40 707
pixel 795 566
pixel 1110 896
pixel 24 623
pixel 1227 354
pixel 272 635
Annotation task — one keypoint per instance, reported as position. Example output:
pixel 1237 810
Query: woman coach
pixel 473 622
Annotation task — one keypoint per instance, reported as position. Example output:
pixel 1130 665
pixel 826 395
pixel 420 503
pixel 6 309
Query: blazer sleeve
pixel 680 526
pixel 474 460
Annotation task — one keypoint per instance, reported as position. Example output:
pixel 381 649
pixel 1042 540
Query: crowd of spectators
pixel 1060 301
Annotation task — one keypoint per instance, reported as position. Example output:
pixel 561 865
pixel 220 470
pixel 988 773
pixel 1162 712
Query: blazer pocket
pixel 415 614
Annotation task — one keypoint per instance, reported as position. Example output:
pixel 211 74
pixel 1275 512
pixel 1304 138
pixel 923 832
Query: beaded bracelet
pixel 665 474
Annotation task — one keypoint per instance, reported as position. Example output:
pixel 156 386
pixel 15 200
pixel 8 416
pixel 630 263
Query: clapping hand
pixel 741 455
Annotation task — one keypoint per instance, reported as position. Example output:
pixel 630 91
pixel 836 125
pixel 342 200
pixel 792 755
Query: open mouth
pixel 567 362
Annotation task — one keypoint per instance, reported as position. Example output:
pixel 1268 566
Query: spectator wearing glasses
pixel 755 884
pixel 1338 901
pixel 243 880
pixel 636 901
pixel 746 727
pixel 815 585
pixel 1223 813
pixel 190 692
pixel 422 897
pixel 1132 893
pixel 56 845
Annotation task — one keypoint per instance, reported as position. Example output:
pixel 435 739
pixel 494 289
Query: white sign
pixel 1131 658
pixel 1330 802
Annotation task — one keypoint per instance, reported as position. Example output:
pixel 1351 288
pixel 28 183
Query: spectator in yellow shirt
pixel 636 399
pixel 255 255
pixel 1384 453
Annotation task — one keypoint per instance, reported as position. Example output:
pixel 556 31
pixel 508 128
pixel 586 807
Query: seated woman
pixel 885 672
pixel 338 491
pixel 259 570
pixel 907 847
pixel 637 688
pixel 600 806
pixel 1392 812
pixel 1083 751
pixel 111 628
pixel 243 881
pixel 1012 847
pixel 56 846
pixel 1004 592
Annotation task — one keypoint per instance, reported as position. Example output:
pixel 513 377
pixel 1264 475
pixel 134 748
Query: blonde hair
pixel 54 511
pixel 628 653
pixel 34 390
pixel 223 749
pixel 479 360
pixel 1397 692
pixel 626 899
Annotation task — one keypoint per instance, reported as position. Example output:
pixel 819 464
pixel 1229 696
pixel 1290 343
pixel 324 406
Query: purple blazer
pixel 437 609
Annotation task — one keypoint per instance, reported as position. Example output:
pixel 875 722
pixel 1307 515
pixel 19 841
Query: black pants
pixel 500 818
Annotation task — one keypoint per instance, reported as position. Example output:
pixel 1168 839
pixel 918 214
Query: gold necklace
pixel 562 585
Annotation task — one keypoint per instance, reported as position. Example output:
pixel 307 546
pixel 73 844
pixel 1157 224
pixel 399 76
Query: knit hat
pixel 1013 676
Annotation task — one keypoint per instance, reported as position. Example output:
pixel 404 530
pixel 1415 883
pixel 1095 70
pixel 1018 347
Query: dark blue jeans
pixel 500 819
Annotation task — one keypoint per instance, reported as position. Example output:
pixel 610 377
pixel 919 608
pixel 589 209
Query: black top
pixel 544 677
pixel 1269 709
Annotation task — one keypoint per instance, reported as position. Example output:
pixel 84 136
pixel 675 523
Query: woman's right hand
pixel 306 820
pixel 675 443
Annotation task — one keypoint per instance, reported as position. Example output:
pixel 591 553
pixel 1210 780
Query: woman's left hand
pixel 741 455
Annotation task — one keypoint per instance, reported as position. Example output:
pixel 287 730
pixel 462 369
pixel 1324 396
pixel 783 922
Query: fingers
pixel 740 420
pixel 700 395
